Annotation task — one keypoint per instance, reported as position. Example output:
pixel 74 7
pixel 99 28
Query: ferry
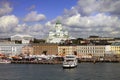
pixel 70 61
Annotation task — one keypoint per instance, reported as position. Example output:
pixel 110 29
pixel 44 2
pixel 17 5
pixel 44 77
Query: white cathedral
pixel 58 35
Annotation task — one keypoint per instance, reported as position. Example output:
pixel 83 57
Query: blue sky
pixel 50 8
pixel 81 18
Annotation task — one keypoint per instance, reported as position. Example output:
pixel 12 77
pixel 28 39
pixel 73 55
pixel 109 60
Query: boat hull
pixel 68 67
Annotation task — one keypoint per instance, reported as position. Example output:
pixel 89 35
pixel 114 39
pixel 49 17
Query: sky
pixel 81 18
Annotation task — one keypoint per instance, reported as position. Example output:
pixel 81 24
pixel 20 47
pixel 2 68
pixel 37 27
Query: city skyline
pixel 81 18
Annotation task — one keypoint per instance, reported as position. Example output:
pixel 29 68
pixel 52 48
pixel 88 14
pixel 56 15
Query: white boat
pixel 70 61
pixel 5 61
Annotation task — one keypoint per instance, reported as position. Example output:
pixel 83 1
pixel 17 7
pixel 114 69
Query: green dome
pixel 58 22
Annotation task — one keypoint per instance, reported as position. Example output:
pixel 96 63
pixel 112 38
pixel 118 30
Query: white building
pixel 58 35
pixel 24 38
pixel 94 50
pixel 11 48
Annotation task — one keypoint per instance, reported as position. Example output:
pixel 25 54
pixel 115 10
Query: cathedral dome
pixel 58 35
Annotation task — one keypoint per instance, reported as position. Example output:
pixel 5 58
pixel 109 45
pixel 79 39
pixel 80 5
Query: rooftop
pixel 116 44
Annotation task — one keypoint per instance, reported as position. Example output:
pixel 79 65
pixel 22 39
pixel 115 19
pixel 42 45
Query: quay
pixel 36 62
pixel 60 62
pixel 98 61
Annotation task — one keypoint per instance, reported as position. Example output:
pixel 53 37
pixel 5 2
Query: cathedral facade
pixel 58 35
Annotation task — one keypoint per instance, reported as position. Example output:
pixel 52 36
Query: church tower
pixel 58 27
pixel 58 35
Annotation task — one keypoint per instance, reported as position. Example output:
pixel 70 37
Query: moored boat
pixel 70 61
pixel 5 61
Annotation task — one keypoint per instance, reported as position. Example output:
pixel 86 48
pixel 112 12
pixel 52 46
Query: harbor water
pixel 84 71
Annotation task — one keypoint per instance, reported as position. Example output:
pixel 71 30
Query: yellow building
pixel 64 50
pixel 115 48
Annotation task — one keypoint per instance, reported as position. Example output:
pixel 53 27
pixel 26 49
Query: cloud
pixel 88 7
pixel 93 25
pixel 38 30
pixel 33 16
pixel 88 17
pixel 8 23
pixel 92 17
pixel 20 28
pixel 35 30
pixel 5 8
pixel 91 21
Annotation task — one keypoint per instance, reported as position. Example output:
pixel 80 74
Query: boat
pixel 5 61
pixel 70 61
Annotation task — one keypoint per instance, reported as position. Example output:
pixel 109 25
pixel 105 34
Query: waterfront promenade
pixel 36 62
pixel 59 61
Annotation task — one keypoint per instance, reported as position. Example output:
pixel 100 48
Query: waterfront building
pixel 25 39
pixel 115 48
pixel 58 35
pixel 64 50
pixel 48 48
pixel 117 40
pixel 97 38
pixel 11 48
pixel 93 50
pixel 104 40
pixel 28 50
pixel 6 42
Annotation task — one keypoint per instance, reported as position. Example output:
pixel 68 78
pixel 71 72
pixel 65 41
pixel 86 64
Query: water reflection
pixel 70 70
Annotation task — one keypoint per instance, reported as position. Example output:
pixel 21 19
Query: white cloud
pixel 91 21
pixel 20 28
pixel 88 7
pixel 9 25
pixel 35 30
pixel 73 20
pixel 34 16
pixel 92 17
pixel 38 30
pixel 98 24
pixel 88 17
pixel 115 33
pixel 5 8
pixel 8 22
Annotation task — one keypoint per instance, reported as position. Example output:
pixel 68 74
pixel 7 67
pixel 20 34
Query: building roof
pixel 116 44
pixel 58 22
pixel 43 44
pixel 19 35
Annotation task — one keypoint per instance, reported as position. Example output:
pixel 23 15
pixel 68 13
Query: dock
pixel 36 62
pixel 60 62
pixel 98 60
